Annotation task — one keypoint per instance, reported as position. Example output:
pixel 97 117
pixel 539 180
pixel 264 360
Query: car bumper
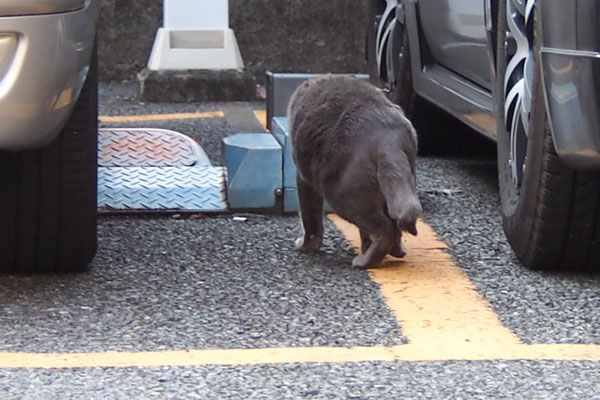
pixel 570 61
pixel 44 61
pixel 36 7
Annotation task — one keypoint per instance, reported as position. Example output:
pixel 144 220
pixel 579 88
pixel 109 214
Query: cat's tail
pixel 397 183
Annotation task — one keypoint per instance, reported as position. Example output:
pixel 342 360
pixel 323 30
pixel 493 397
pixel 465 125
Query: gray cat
pixel 357 150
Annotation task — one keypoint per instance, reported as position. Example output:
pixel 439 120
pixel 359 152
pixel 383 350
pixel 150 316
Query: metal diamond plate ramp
pixel 147 147
pixel 156 170
pixel 164 189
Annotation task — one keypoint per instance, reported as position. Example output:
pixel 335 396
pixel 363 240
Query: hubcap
pixel 518 82
pixel 387 50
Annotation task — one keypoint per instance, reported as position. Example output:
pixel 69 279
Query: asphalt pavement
pixel 164 283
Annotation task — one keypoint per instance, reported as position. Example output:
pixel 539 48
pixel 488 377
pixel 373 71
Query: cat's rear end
pixel 357 150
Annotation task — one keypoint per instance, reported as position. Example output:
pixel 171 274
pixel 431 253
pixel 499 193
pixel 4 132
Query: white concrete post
pixel 195 35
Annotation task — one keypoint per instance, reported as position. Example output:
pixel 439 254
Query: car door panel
pixel 454 31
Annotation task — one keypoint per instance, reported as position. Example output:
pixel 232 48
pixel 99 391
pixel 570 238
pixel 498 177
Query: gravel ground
pixel 459 192
pixel 163 284
pixel 526 380
pixel 539 307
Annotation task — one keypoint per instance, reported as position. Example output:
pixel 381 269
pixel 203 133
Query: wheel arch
pixel 569 58
pixel 420 56
pixel 411 15
pixel 491 18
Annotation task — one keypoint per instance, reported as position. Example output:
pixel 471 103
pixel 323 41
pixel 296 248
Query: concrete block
pixel 192 49
pixel 196 86
pixel 196 35
pixel 195 14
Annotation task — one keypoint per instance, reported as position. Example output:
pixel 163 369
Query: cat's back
pixel 331 110
pixel 334 93
pixel 329 100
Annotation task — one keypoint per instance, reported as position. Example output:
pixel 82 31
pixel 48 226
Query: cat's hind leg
pixel 311 217
pixel 365 241
pixel 398 249
pixel 381 233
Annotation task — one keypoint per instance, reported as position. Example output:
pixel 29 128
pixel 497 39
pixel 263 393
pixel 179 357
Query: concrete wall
pixel 277 35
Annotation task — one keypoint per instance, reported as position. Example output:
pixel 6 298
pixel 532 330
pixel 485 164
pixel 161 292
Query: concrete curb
pixel 196 86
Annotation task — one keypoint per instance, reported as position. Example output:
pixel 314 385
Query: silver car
pixel 525 73
pixel 48 134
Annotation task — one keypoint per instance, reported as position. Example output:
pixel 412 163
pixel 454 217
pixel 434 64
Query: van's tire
pixel 48 196
pixel 551 213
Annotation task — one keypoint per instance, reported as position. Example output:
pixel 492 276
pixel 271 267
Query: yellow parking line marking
pixel 159 117
pixel 261 116
pixel 294 355
pixel 195 357
pixel 433 300
pixel 440 313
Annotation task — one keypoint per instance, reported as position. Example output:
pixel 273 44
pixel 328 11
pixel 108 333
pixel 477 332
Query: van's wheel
pixel 551 213
pixel 48 196
pixel 389 66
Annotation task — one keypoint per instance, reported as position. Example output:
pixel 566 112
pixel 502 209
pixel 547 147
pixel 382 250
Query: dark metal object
pixel 280 87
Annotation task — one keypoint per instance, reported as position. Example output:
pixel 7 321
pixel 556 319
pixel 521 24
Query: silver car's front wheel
pixel 550 213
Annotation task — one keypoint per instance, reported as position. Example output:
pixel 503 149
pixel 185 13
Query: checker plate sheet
pixel 147 147
pixel 154 188
pixel 156 170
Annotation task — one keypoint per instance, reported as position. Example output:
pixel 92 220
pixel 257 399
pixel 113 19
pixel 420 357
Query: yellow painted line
pixel 195 357
pixel 294 355
pixel 440 313
pixel 261 116
pixel 433 300
pixel 159 117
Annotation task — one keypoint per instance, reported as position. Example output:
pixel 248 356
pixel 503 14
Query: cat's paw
pixel 312 244
pixel 399 250
pixel 360 261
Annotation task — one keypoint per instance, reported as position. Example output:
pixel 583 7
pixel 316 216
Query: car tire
pixel 394 76
pixel 48 196
pixel 550 213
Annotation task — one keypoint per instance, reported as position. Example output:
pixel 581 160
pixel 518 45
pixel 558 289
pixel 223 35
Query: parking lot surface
pixel 205 306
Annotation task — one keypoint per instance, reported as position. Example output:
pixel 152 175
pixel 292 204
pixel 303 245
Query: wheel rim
pixel 518 82
pixel 387 50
